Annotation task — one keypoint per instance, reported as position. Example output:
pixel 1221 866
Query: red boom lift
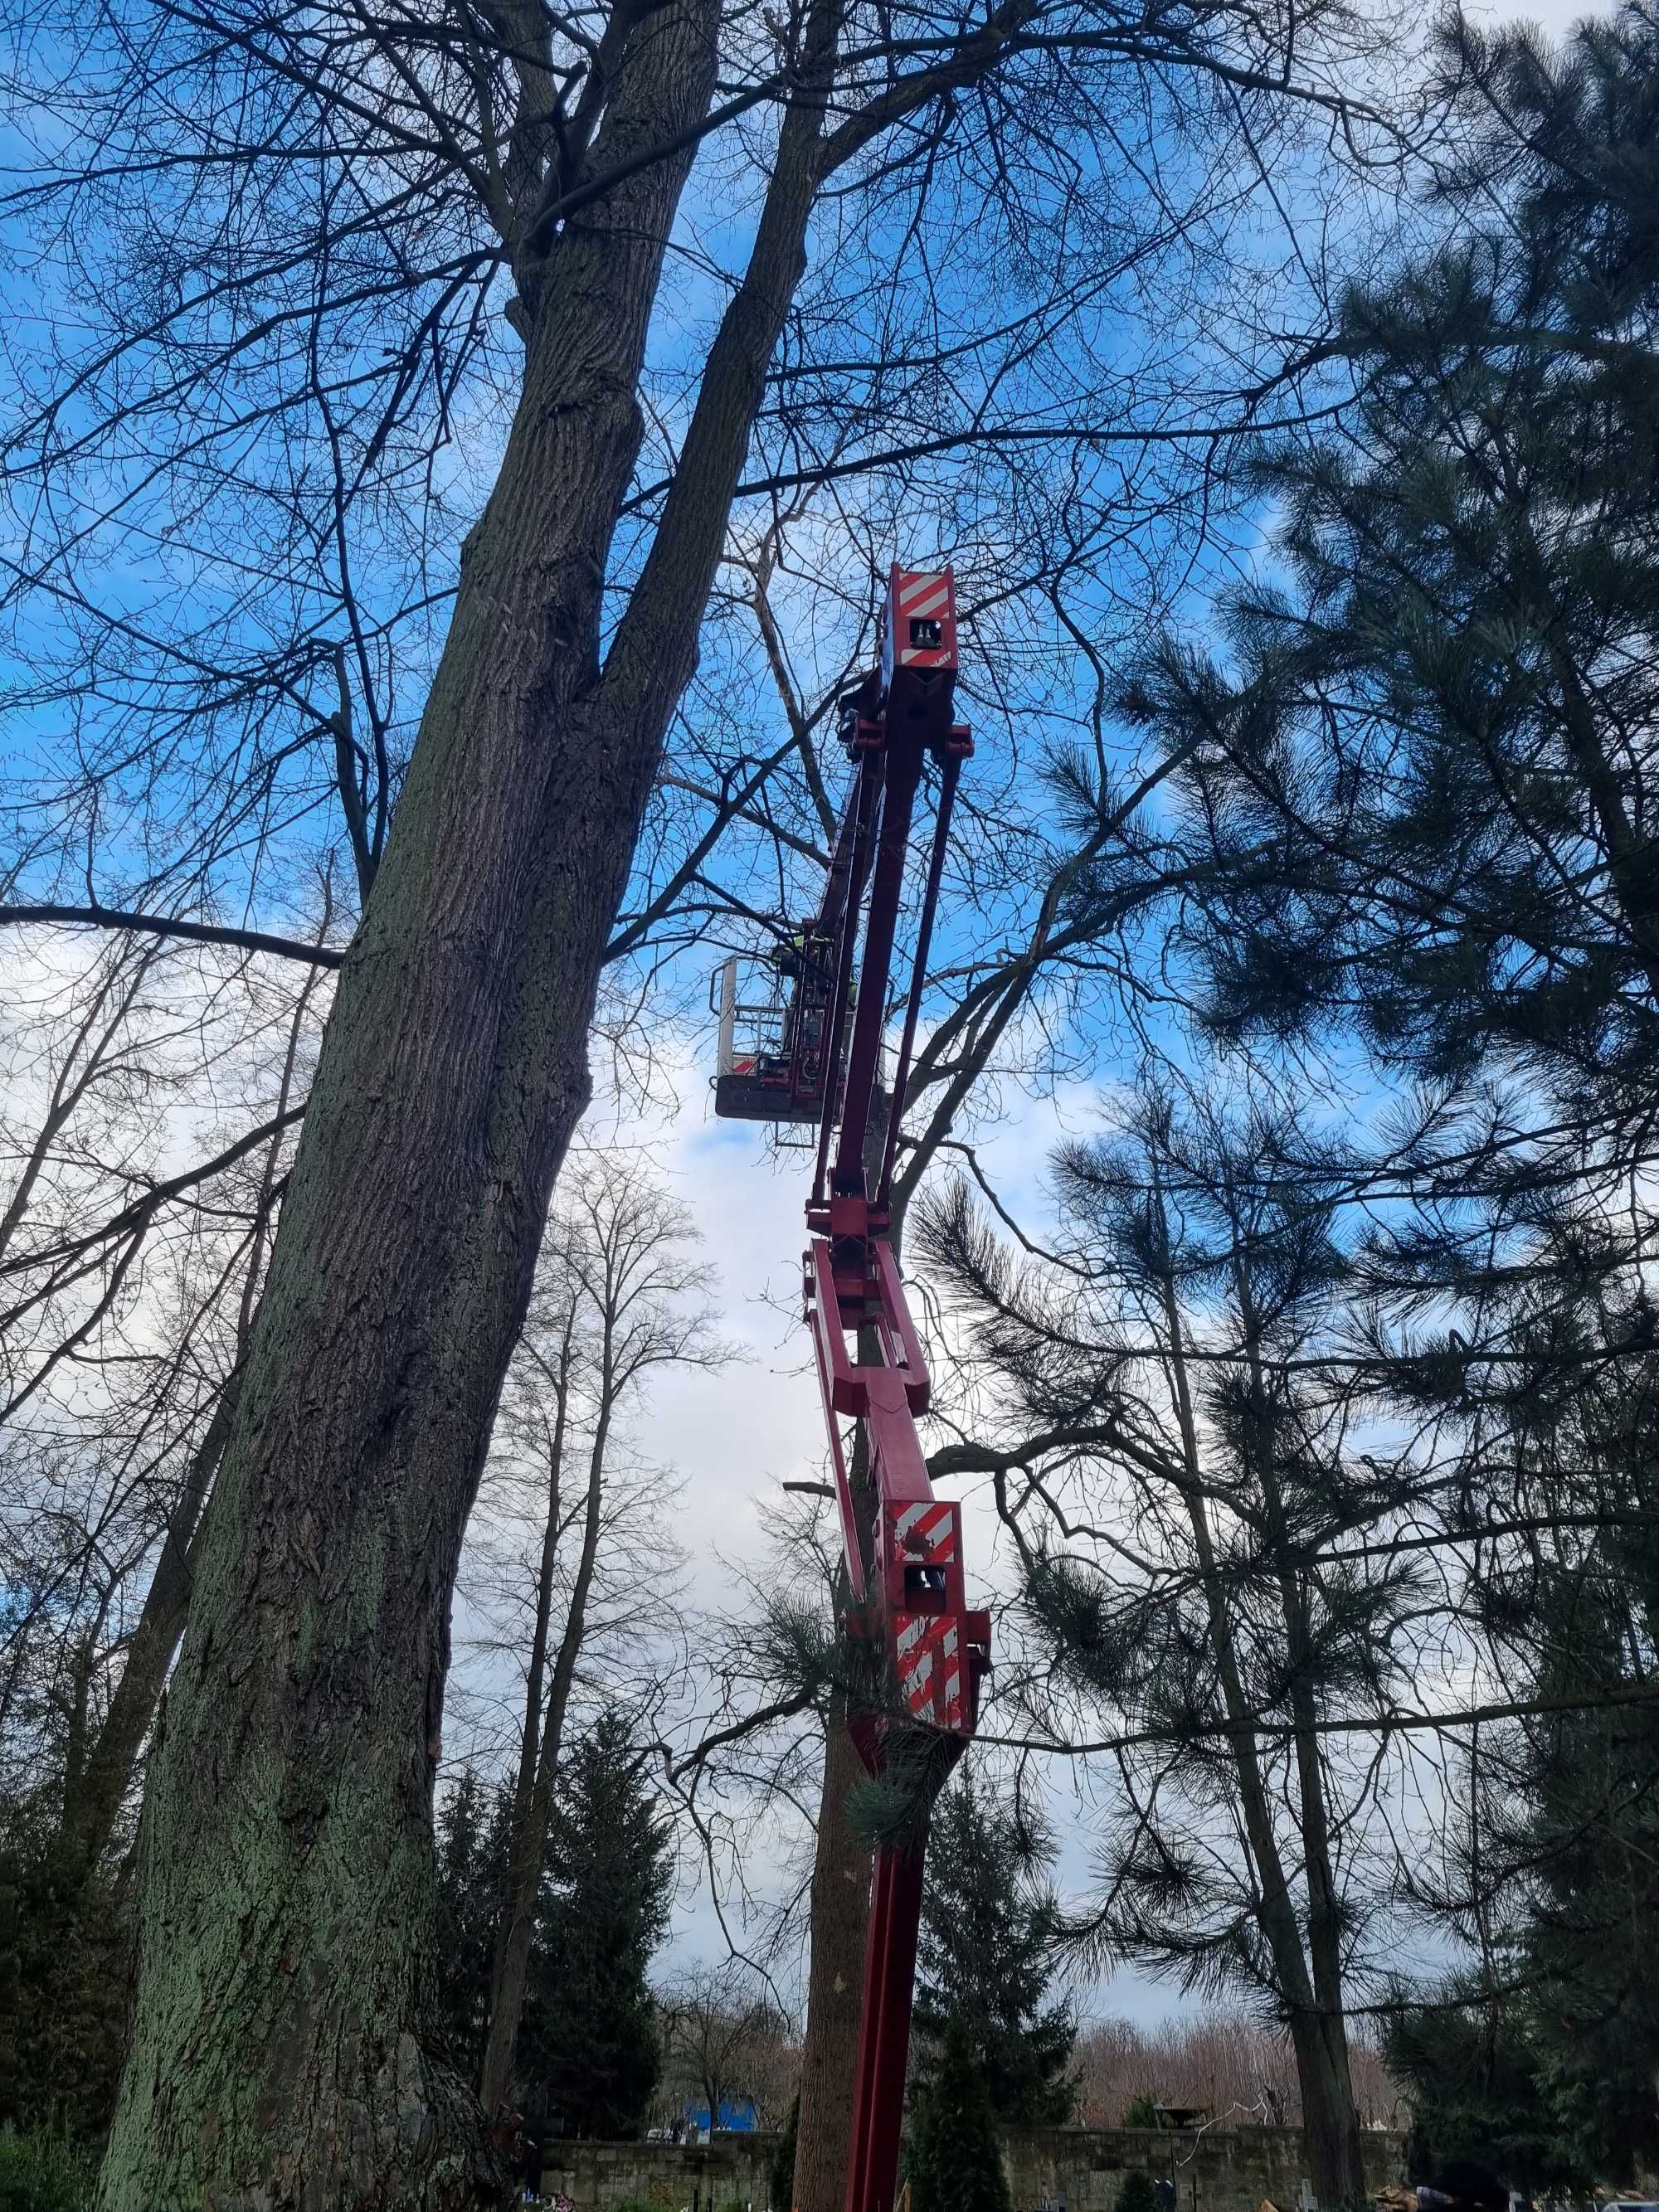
pixel 812 1054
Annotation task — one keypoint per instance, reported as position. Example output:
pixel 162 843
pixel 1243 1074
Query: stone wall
pixel 1063 2169
pixel 1218 2170
pixel 598 2177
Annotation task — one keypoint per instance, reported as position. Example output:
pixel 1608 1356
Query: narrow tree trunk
pixel 834 1998
pixel 1317 2033
pixel 74 1732
pixel 536 1671
pixel 511 1966
pixel 1330 2125
pixel 92 1799
pixel 1329 2119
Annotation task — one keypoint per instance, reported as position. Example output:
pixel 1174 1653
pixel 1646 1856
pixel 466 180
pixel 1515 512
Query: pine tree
pixel 1165 1381
pixel 780 2180
pixel 953 2161
pixel 471 1865
pixel 1421 780
pixel 1474 2080
pixel 589 2042
pixel 1422 777
pixel 1584 1834
pixel 987 1959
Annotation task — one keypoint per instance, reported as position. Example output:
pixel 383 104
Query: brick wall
pixel 1222 2170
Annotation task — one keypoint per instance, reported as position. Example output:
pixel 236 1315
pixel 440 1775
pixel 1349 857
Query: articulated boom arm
pixel 816 1059
pixel 909 1600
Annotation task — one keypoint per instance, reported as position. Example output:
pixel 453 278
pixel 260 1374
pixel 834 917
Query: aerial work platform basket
pixel 773 1010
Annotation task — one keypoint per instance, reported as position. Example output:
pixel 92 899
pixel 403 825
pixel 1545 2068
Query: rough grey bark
pixel 280 2052
pixel 281 2056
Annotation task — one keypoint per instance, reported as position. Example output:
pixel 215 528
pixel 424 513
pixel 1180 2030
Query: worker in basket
pixel 797 963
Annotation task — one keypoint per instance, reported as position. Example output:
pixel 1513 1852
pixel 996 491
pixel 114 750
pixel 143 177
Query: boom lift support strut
pixel 908 1610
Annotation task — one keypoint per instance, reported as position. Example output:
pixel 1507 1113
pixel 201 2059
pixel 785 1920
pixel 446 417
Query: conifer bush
pixel 954 2161
pixel 1138 2193
pixel 41 2172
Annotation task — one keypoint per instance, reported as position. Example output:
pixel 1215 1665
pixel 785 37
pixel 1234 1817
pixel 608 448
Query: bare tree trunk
pixel 511 1965
pixel 282 2054
pixel 93 1799
pixel 536 1673
pixel 1330 2123
pixel 1330 2120
pixel 840 1913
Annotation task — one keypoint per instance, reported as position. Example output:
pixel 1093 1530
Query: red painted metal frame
pixel 909 1596
pixel 909 1603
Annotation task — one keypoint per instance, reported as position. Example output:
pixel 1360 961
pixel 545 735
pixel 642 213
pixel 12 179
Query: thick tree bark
pixel 840 1913
pixel 1330 2126
pixel 281 2054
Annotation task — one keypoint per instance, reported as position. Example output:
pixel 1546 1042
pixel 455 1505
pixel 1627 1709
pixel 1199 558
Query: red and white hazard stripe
pixel 928 1650
pixel 927 1532
pixel 918 594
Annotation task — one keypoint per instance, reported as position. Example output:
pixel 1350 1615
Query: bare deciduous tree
pixel 623 1295
pixel 311 238
pixel 727 2039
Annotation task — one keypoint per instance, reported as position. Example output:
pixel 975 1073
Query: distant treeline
pixel 1235 2069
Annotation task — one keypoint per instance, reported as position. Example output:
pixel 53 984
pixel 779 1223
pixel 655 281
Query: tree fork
pixel 281 2053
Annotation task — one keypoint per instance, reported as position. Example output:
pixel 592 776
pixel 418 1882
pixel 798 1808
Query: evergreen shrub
pixel 1138 2193
pixel 41 2172
pixel 954 2161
